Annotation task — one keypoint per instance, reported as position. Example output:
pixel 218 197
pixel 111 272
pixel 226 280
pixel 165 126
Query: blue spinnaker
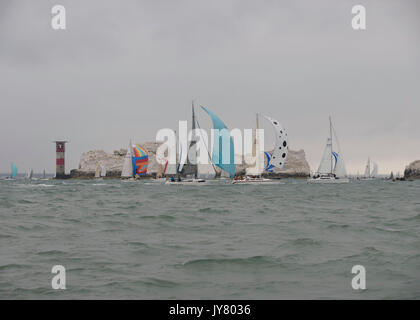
pixel 269 167
pixel 223 154
pixel 14 171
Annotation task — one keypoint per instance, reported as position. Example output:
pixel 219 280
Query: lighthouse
pixel 60 169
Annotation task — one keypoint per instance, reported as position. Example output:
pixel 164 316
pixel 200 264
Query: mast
pixel 331 155
pixel 130 150
pixel 194 143
pixel 257 146
pixel 176 158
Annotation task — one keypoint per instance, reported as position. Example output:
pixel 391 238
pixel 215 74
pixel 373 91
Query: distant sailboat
pixel 29 174
pixel 275 159
pixel 374 173
pixel 332 168
pixel 13 172
pixel 44 176
pixel 370 174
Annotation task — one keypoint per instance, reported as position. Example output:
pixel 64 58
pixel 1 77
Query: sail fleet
pixel 221 158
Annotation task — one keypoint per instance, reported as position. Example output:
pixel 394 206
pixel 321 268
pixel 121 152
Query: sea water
pixel 147 240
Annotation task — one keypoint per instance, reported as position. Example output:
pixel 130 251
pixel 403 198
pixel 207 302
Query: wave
pixel 213 210
pixel 254 260
pixel 305 242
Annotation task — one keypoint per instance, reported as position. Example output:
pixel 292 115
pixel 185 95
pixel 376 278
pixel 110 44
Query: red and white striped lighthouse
pixel 60 169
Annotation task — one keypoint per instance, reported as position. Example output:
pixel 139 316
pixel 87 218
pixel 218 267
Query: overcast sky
pixel 126 69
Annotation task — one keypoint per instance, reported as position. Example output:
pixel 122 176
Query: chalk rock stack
pixel 412 171
pixel 295 165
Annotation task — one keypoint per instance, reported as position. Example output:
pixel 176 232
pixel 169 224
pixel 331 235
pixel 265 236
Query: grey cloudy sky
pixel 128 68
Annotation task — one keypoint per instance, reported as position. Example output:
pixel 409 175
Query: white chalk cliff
pixel 295 165
pixel 412 171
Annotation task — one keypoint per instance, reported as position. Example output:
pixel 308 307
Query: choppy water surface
pixel 144 240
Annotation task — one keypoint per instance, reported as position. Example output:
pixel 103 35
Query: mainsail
pixel 140 160
pixel 103 171
pixel 127 170
pixel 98 171
pixel 367 169
pixel 189 169
pixel 325 167
pixel 14 171
pixel 223 155
pixel 258 167
pixel 374 172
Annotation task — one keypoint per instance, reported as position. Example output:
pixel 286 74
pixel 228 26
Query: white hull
pixel 255 181
pixel 328 180
pixel 187 182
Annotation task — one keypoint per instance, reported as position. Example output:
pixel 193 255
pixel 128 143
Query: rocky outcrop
pixel 412 171
pixel 295 165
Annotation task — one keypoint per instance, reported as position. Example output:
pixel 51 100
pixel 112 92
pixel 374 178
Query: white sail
pixel 340 168
pixel 374 172
pixel 281 147
pixel 258 167
pixel 127 170
pixel 325 166
pixel 206 171
pixel 367 169
pixel 97 172
pixel 103 171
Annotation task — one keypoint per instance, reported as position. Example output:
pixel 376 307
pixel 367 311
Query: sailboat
pixel 332 168
pixel 275 159
pixel 370 175
pixel 29 174
pixel 192 171
pixel 13 172
pixel 44 176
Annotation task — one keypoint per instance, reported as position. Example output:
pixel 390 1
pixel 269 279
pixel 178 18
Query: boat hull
pixel 187 182
pixel 255 181
pixel 329 180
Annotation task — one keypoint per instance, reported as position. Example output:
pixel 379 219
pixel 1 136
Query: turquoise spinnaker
pixel 222 149
pixel 14 171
